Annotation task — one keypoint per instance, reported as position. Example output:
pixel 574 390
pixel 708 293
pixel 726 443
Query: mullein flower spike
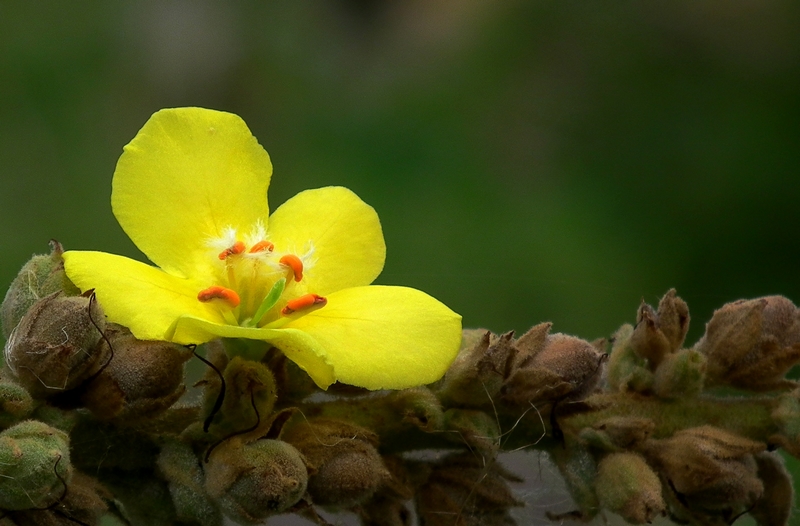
pixel 190 191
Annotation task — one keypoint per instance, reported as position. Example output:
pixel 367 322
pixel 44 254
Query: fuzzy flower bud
pixel 463 486
pixel 39 277
pixel 627 371
pixel 15 403
pixel 626 485
pixel 143 379
pixel 54 348
pixel 248 384
pixel 681 374
pixel 252 481
pixel 709 470
pixel 660 332
pixel 34 465
pixel 752 344
pixel 479 370
pixel 561 367
pixel 618 433
pixel 775 506
pixel 344 467
pixel 180 466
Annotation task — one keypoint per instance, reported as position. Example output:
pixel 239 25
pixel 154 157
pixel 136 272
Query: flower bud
pixel 479 370
pixel 775 506
pixel 15 403
pixel 752 344
pixel 659 333
pixel 476 429
pixel 680 375
pixel 343 465
pixel 579 469
pixel 626 485
pixel 252 481
pixel 54 348
pixel 248 384
pixel 39 277
pixel 34 465
pixel 627 371
pixel 463 486
pixel 387 507
pixel 564 367
pixel 709 470
pixel 179 465
pixel 618 433
pixel 143 379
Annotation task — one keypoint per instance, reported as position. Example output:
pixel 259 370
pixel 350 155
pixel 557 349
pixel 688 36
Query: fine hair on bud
pixel 55 347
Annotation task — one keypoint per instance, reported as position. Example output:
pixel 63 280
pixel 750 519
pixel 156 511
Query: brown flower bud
pixel 659 333
pixel 54 348
pixel 751 344
pixel 142 379
pixel 708 470
pixel 39 277
pixel 618 433
pixel 775 506
pixel 387 507
pixel 252 481
pixel 250 387
pixel 564 367
pixel 479 370
pixel 626 485
pixel 344 467
pixel 463 486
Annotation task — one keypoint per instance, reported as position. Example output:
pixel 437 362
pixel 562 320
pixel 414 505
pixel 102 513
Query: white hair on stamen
pixel 257 234
pixel 225 240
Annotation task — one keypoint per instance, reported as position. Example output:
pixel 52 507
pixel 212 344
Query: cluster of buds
pixel 94 422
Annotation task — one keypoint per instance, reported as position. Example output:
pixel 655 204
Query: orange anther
pixel 221 293
pixel 294 263
pixel 303 302
pixel 237 248
pixel 262 246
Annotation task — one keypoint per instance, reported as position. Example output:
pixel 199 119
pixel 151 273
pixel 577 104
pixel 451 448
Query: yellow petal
pixel 344 232
pixel 298 346
pixel 189 174
pixel 384 337
pixel 138 296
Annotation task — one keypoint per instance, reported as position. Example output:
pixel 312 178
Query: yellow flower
pixel 190 191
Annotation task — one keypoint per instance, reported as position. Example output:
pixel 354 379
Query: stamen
pixel 262 246
pixel 217 292
pixel 294 263
pixel 237 248
pixel 303 302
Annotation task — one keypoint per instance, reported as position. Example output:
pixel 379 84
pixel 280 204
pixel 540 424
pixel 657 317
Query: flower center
pixel 256 285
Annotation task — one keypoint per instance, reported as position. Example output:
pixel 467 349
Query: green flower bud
pixel 15 403
pixel 178 464
pixel 252 481
pixel 578 468
pixel 54 348
pixel 143 379
pixel 626 485
pixel 39 277
pixel 752 344
pixel 34 465
pixel 343 465
pixel 681 375
pixel 248 384
pixel 627 371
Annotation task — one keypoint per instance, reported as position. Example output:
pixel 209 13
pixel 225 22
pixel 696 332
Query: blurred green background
pixel 530 160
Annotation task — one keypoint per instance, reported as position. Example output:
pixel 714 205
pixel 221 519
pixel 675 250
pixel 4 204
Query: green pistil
pixel 269 301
